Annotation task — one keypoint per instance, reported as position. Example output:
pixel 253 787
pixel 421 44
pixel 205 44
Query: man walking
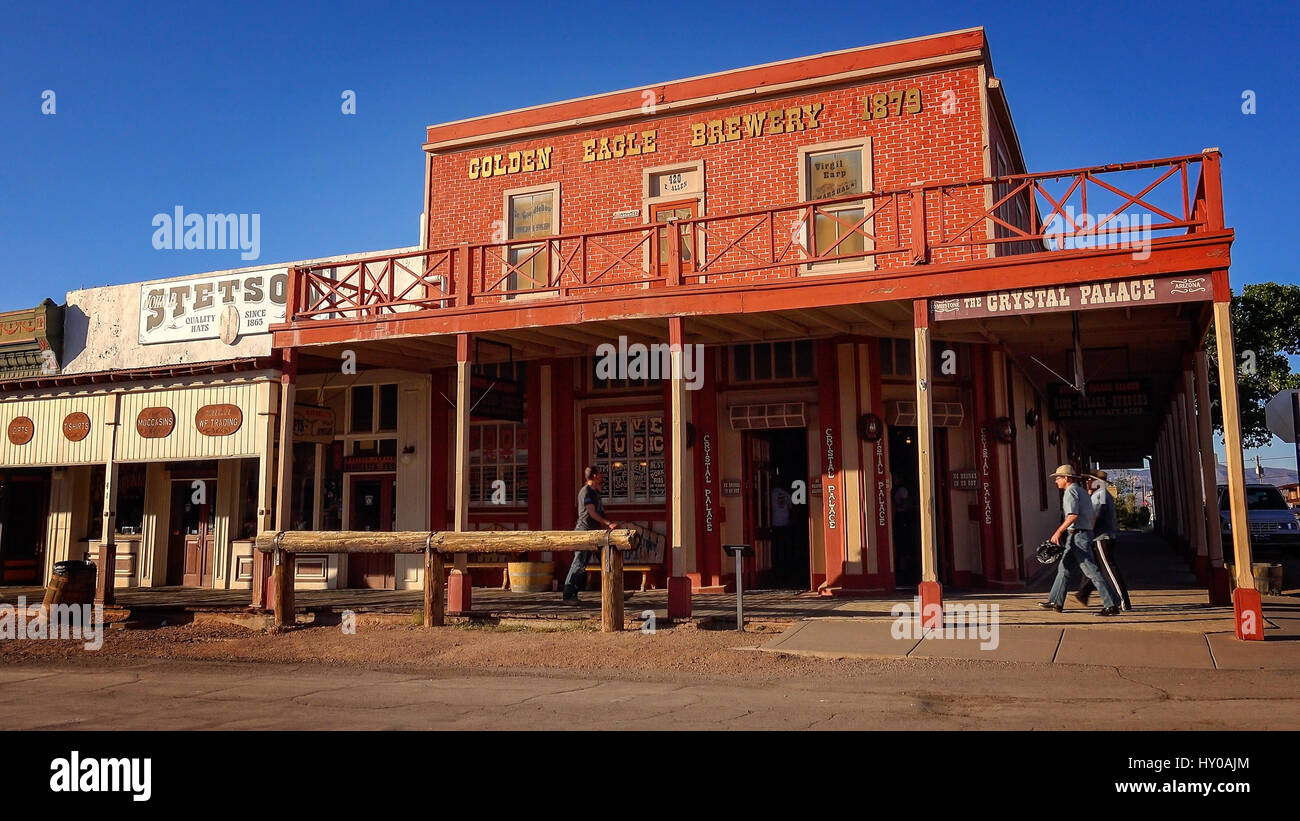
pixel 1076 531
pixel 591 516
pixel 1104 543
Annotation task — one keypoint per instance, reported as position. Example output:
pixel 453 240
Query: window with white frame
pixel 531 213
pixel 831 172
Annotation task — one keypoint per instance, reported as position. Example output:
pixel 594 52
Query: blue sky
pixel 235 107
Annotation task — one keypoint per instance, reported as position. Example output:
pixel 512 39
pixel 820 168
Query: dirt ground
pixel 683 649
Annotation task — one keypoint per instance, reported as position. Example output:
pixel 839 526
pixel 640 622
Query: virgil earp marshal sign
pixel 191 309
pixel 1115 293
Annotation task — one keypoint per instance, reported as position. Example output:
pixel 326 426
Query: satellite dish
pixel 229 325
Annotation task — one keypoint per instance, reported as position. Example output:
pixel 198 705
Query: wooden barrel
pixel 73 582
pixel 531 577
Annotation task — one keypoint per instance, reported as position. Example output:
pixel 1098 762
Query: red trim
pixel 985 461
pixel 708 544
pixel 533 426
pixel 832 483
pixel 1222 290
pixel 880 462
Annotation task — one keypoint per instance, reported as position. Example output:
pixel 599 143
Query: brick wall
pixel 943 141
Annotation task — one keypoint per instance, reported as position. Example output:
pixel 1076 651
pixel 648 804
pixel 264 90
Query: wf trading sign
pixel 221 307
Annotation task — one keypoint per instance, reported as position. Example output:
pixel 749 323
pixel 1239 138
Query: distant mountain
pixel 1272 476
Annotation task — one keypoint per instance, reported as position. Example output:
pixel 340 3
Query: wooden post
pixel 106 571
pixel 1246 604
pixel 283 568
pixel 611 588
pixel 265 481
pixel 459 589
pixel 1196 496
pixel 930 589
pixel 433 588
pixel 1209 483
pixel 683 544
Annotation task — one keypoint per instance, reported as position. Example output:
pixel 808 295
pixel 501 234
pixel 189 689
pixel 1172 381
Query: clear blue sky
pixel 235 107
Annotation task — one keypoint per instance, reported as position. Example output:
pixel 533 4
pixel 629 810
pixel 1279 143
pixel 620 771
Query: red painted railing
pixel 1128 205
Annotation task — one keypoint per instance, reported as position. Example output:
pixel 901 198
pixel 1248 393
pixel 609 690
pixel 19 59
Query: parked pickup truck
pixel 1271 522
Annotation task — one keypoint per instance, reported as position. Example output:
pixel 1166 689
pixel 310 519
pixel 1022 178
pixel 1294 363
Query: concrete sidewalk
pixel 1169 635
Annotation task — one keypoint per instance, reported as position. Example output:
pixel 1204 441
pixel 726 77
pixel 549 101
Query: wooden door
pixel 758 507
pixel 191 543
pixel 373 508
pixel 665 212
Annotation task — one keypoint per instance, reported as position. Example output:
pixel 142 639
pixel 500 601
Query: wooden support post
pixel 930 589
pixel 459 588
pixel 1192 460
pixel 679 585
pixel 433 588
pixel 106 570
pixel 283 568
pixel 1219 594
pixel 262 596
pixel 1246 604
pixel 611 588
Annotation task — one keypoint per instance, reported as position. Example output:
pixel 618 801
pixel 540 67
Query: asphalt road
pixel 130 694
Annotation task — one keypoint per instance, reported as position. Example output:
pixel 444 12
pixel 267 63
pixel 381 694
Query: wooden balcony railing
pixel 1128 205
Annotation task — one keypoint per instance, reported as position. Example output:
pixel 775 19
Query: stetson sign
pixel 186 310
pixel 1116 293
pixel 218 420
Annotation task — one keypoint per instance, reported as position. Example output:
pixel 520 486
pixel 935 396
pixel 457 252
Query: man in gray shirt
pixel 1104 542
pixel 1076 530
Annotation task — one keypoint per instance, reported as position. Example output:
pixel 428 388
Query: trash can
pixel 73 582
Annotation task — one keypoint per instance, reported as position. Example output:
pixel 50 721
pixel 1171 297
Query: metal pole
pixel 740 591
pixel 1295 427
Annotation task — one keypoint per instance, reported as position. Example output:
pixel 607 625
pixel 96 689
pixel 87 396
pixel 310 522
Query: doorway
pixel 776 508
pixel 905 505
pixel 665 212
pixel 191 538
pixel 372 508
pixel 23 501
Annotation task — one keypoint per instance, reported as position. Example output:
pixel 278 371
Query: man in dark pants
pixel 1104 543
pixel 1075 533
pixel 591 516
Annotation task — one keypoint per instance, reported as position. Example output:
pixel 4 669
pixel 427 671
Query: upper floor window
pixel 833 171
pixel 531 214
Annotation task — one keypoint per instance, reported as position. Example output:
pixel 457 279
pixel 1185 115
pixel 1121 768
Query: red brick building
pixel 888 306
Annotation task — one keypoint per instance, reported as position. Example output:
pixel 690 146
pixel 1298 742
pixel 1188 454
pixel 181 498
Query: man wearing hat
pixel 1075 533
pixel 1104 542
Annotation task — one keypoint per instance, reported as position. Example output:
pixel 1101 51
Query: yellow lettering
pixel 588 150
pixel 497 168
pixel 512 166
pixel 602 152
pixel 530 160
pixel 732 125
pixel 811 113
pixel 485 167
pixel 633 144
pixel 473 168
pixel 618 144
pixel 1148 289
pixel 697 134
pixel 649 137
pixel 754 124
pixel 544 158
pixel 775 123
pixel 715 131
pixel 792 121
